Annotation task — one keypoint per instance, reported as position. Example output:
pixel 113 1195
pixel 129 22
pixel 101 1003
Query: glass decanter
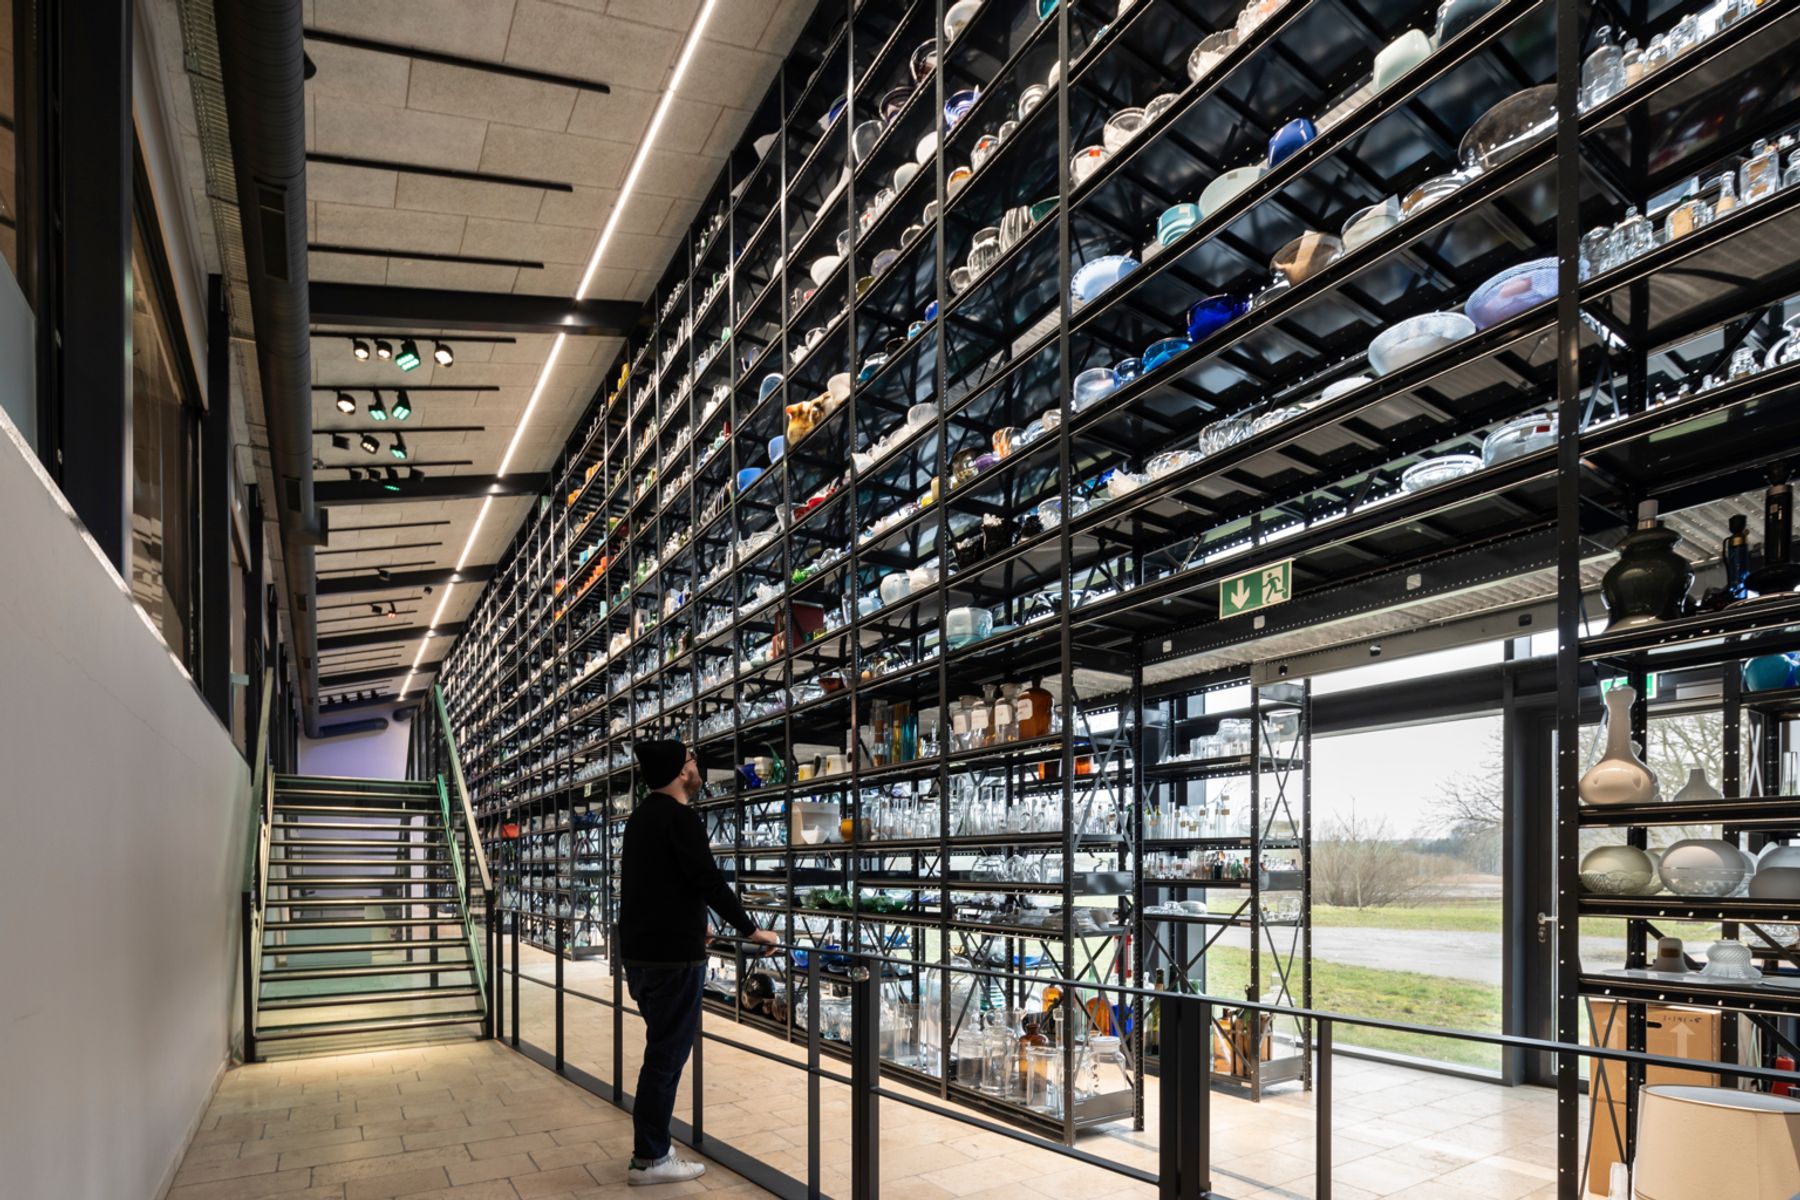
pixel 1630 237
pixel 1727 198
pixel 1631 62
pixel 1603 73
pixel 1761 173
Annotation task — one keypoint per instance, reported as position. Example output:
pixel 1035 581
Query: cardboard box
pixel 1669 1031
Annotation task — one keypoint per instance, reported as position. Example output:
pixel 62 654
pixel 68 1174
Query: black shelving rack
pixel 734 609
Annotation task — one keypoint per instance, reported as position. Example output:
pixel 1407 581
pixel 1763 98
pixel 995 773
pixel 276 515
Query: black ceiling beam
pixel 377 46
pixel 402 580
pixel 378 637
pixel 476 260
pixel 376 164
pixel 398 426
pixel 337 706
pixel 406 387
pixel 436 487
pixel 376 675
pixel 407 308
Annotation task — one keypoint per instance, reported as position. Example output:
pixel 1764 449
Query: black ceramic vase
pixel 1650 580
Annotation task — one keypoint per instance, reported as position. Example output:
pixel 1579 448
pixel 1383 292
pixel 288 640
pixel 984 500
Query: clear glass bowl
pixel 1092 385
pixel 1120 128
pixel 864 137
pixel 963 626
pixel 1209 53
pixel 1516 439
pixel 1416 338
pixel 1228 187
pixel 1433 471
pixel 1505 130
pixel 1224 433
pixel 822 269
pixel 1511 292
pixel 1170 462
pixel 1274 417
pixel 1431 191
pixel 1087 160
pixel 1306 256
pixel 1366 224
pixel 1050 512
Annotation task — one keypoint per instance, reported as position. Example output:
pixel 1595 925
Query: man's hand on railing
pixel 766 939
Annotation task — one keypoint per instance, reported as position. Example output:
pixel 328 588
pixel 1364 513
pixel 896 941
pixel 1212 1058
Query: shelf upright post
pixel 1254 852
pixel 1637 931
pixel 1065 631
pixel 940 381
pixel 1132 852
pixel 1568 593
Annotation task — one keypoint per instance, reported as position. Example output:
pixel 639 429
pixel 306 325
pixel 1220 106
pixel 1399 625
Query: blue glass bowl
pixel 748 476
pixel 1128 369
pixel 1511 292
pixel 870 366
pixel 1768 672
pixel 931 311
pixel 1161 352
pixel 1289 138
pixel 1176 221
pixel 1212 313
pixel 957 106
pixel 1096 275
pixel 777 448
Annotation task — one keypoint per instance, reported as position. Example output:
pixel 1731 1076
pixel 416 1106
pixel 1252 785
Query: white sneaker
pixel 667 1169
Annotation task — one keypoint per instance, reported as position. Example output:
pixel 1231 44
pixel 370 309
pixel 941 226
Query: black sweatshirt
pixel 669 879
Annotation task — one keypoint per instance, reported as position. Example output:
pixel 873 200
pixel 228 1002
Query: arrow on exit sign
pixel 1256 589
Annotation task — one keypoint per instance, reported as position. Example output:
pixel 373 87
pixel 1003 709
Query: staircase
pixel 365 933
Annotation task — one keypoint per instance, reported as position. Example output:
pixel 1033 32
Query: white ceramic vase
pixel 1697 787
pixel 1620 777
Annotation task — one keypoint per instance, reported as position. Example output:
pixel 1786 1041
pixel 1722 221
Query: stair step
pixel 284 974
pixel 271 950
pixel 354 826
pixel 339 999
pixel 375 923
pixel 351 810
pixel 306 861
pixel 348 784
pixel 348 881
pixel 328 843
pixel 360 902
pixel 279 1033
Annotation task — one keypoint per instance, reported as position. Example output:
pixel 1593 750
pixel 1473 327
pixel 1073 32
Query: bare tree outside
pixel 1358 863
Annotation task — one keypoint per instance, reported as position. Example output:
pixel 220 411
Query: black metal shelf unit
pixel 681 576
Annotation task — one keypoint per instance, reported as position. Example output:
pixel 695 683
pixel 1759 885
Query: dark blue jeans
pixel 669 998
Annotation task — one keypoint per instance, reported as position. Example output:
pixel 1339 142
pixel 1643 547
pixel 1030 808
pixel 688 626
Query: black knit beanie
pixel 660 761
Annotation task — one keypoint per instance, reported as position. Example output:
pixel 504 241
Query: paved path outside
pixel 1451 954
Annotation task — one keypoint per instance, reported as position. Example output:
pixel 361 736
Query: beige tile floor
pixel 474 1121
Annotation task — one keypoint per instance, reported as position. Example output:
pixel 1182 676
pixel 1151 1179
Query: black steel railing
pixel 1182 1118
pixel 256 864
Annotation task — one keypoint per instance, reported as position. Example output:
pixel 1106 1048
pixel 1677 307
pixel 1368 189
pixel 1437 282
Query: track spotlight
pixel 369 443
pixel 392 612
pixel 393 480
pixel 383 349
pixel 408 358
pixel 339 442
pixel 359 348
pixel 318 463
pixel 446 357
pixel 398 449
pixel 346 403
pixel 402 405
pixel 376 609
pixel 413 474
pixel 376 411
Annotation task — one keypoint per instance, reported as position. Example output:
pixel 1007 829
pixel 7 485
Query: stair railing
pixel 465 847
pixel 256 864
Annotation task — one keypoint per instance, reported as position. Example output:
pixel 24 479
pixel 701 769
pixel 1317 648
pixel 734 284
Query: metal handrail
pixel 462 894
pixel 462 788
pixel 256 866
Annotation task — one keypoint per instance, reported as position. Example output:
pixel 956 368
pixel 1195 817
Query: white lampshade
pixel 1702 1143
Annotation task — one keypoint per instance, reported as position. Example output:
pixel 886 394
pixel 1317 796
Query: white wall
pixel 123 814
pixel 379 754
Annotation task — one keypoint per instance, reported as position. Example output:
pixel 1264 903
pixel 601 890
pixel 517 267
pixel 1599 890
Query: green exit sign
pixel 1650 689
pixel 1256 589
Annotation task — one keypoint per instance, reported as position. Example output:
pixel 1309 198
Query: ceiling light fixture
pixel 644 146
pixel 383 349
pixel 340 441
pixel 359 348
pixel 392 612
pixel 408 358
pixel 346 403
pixel 531 405
pixel 376 411
pixel 446 357
pixel 393 480
pixel 402 405
pixel 398 449
pixel 376 609
pixel 413 474
pixel 369 443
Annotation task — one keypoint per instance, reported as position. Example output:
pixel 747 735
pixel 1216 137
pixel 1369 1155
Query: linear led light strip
pixel 606 233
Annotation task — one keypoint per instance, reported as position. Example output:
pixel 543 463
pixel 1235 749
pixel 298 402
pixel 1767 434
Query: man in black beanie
pixel 668 881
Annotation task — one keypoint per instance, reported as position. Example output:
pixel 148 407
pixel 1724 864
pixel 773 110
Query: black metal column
pixel 89 148
pixel 215 508
pixel 865 1078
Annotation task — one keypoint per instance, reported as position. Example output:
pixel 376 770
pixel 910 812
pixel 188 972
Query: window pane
pixel 1407 884
pixel 162 458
